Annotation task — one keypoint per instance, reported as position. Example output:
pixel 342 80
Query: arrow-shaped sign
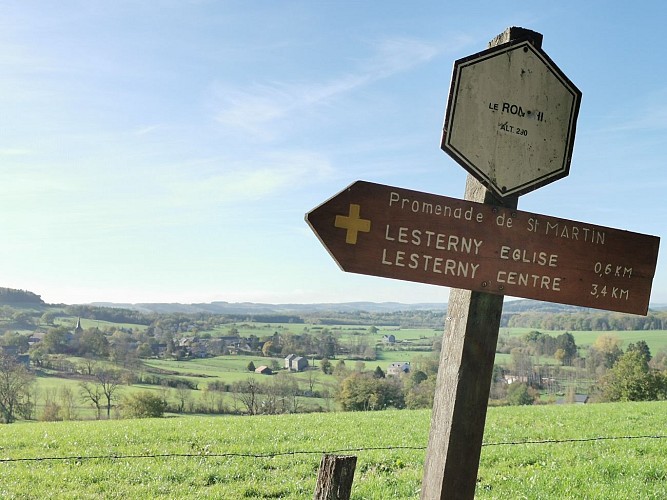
pixel 408 235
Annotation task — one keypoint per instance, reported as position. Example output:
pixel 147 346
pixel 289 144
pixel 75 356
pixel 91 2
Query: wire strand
pixel 314 452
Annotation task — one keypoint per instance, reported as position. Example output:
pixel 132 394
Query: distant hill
pixel 255 308
pixel 10 296
pixel 13 297
pixel 510 307
pixel 535 306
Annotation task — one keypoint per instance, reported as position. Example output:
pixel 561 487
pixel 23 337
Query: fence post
pixel 334 479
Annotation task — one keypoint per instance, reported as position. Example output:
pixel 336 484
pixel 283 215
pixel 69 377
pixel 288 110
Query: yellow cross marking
pixel 353 223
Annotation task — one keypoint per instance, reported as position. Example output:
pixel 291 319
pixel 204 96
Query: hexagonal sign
pixel 511 118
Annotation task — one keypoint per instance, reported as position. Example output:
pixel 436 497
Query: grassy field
pixel 572 451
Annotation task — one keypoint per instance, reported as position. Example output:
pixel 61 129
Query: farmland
pixel 411 344
pixel 563 451
pixel 199 362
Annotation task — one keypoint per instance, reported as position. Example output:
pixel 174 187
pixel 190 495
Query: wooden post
pixel 466 367
pixel 334 479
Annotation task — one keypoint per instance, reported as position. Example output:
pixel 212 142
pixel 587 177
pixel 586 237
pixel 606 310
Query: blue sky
pixel 168 150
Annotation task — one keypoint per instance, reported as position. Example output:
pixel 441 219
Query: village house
pixel 36 336
pixel 296 363
pixel 299 364
pixel 398 368
pixel 192 347
pixel 288 361
pixel 519 379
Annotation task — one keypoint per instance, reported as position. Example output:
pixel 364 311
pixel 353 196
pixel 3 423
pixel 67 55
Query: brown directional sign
pixel 413 236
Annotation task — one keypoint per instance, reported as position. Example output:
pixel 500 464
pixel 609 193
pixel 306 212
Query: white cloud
pixel 399 54
pixel 221 181
pixel 255 109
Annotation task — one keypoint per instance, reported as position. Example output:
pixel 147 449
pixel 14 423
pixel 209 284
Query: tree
pixel 15 339
pixel 145 404
pixel 418 377
pixel 87 365
pixel 378 373
pixel 281 395
pixel 52 409
pixel 120 348
pixel 23 319
pixel 92 342
pixel 361 391
pixel 340 370
pixel 419 390
pixel 250 367
pixel 659 361
pixel 311 378
pixel 247 392
pixel 67 403
pixel 183 396
pixel 56 340
pixel 327 344
pixel 631 379
pixel 49 316
pixel 642 348
pixel 38 354
pixel 609 347
pixel 268 349
pixel 521 363
pixel 566 342
pixel 144 350
pixel 16 383
pixel 325 366
pixel 104 386
pixel 109 381
pixel 93 393
pixel 520 394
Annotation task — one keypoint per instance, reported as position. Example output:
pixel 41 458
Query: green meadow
pixel 571 451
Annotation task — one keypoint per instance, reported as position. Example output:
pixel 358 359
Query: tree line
pixel 586 321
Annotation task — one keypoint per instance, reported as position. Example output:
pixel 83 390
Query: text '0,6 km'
pixel 408 235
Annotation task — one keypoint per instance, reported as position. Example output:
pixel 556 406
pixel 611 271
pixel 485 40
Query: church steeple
pixel 77 328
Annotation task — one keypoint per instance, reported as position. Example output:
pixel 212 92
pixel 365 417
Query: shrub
pixel 520 394
pixel 145 405
pixel 51 412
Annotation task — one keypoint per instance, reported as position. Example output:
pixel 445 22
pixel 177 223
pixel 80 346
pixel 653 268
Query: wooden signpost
pixel 510 122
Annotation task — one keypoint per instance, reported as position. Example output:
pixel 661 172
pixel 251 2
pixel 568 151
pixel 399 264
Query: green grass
pixel 231 368
pixel 240 457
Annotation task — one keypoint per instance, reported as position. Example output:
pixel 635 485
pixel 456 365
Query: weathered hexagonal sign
pixel 511 118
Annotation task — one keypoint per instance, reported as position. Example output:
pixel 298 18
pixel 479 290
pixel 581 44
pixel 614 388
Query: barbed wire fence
pixel 314 452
